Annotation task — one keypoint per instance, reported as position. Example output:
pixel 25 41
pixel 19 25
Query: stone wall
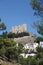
pixel 19 29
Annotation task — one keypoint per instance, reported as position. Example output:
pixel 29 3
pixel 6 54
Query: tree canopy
pixel 2 25
pixel 37 6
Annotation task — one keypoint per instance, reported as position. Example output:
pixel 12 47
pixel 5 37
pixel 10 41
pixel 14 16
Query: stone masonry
pixel 19 29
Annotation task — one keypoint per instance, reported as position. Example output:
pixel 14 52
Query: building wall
pixel 19 29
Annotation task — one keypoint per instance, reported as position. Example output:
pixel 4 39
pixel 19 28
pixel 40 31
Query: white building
pixel 26 46
pixel 31 47
pixel 41 44
pixel 27 55
pixel 35 45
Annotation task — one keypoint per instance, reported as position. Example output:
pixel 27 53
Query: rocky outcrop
pixel 26 39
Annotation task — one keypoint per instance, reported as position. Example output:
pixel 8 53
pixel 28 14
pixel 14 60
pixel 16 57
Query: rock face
pixel 19 29
pixel 26 39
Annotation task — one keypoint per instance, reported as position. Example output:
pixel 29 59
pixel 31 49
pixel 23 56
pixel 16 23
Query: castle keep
pixel 19 29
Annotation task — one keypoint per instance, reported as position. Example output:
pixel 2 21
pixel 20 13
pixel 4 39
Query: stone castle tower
pixel 19 29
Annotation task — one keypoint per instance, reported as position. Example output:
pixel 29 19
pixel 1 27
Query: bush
pixel 13 35
pixel 33 61
pixel 41 62
pixel 38 39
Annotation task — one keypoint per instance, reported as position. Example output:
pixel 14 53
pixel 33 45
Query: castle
pixel 25 39
pixel 19 29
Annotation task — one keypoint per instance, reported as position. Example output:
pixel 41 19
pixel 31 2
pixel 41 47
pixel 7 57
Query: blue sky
pixel 17 12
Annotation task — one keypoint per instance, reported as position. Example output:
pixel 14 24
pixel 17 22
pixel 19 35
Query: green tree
pixel 38 25
pixel 33 61
pixel 20 48
pixel 38 39
pixel 2 25
pixel 2 46
pixel 5 34
pixel 41 62
pixel 37 6
pixel 39 49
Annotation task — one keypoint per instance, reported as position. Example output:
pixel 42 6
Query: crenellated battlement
pixel 19 28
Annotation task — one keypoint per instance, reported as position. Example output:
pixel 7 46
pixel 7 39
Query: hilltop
pixel 26 39
pixel 21 34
